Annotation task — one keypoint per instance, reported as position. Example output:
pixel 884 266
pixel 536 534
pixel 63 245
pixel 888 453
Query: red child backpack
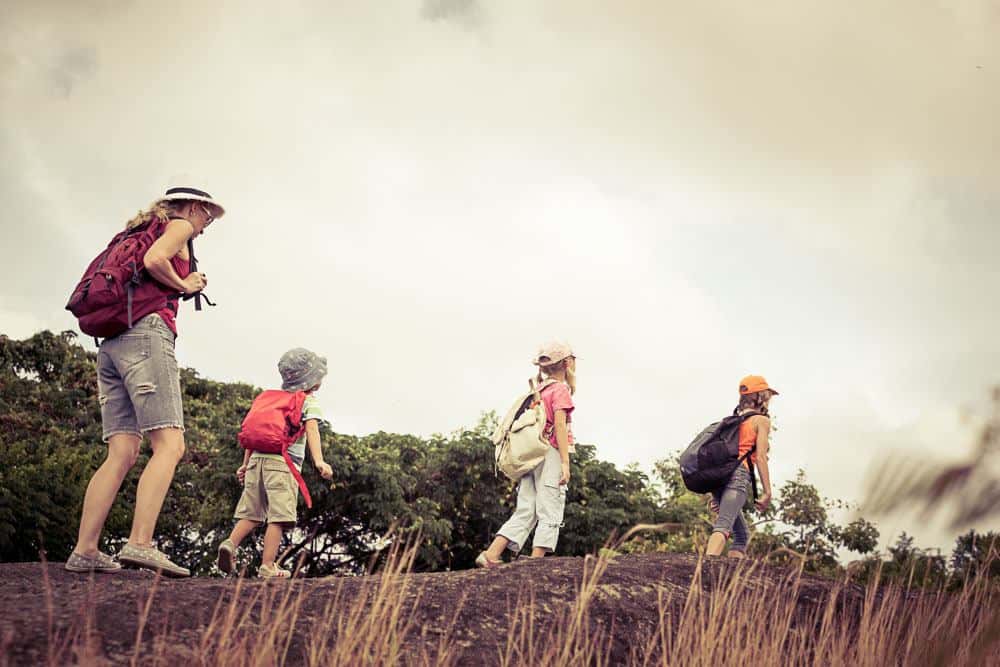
pixel 116 290
pixel 272 425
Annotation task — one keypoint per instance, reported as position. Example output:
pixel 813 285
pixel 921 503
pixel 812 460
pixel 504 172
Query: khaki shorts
pixel 270 494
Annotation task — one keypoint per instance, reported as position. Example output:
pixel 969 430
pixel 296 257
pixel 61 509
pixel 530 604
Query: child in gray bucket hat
pixel 301 370
pixel 270 493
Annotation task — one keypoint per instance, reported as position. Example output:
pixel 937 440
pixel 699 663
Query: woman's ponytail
pixel 160 210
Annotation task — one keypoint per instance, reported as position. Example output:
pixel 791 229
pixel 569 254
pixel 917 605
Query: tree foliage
pixel 443 489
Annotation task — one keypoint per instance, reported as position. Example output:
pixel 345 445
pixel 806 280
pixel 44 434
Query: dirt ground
pixel 477 605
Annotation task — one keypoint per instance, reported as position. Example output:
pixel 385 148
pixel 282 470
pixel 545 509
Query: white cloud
pixel 685 193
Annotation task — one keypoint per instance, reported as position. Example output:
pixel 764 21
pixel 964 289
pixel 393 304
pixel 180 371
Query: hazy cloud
pixel 686 193
pixel 468 13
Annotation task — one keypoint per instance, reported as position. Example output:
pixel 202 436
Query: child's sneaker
pixel 273 572
pixel 227 553
pixel 151 558
pixel 99 563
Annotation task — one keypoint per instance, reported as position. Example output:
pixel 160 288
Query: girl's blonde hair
pixel 161 210
pixel 547 370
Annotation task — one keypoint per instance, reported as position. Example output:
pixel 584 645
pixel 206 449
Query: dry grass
pixel 732 614
pixel 762 624
pixel 371 629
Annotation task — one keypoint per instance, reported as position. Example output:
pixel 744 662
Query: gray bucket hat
pixel 301 369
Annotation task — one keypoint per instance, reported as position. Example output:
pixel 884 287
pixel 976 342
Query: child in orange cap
pixel 728 500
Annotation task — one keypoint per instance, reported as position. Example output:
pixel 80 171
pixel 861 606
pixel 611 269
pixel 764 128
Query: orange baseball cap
pixel 751 384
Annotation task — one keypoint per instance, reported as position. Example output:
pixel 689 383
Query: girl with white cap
pixel 139 389
pixel 541 494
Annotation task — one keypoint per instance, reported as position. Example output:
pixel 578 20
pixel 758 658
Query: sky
pixel 425 191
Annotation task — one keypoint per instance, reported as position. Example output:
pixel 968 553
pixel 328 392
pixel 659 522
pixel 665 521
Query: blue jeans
pixel 730 499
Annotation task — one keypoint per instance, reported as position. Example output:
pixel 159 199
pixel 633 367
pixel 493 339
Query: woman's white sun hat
pixel 182 188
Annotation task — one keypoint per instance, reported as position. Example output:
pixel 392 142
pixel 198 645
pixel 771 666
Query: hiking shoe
pixel 99 563
pixel 484 561
pixel 273 572
pixel 227 552
pixel 151 558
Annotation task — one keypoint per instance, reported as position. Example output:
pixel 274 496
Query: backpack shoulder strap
pixel 537 390
pixel 534 393
pixel 746 457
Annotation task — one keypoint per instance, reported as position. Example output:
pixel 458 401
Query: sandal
pixel 484 561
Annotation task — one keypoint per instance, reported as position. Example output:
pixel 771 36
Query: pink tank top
pixel 169 312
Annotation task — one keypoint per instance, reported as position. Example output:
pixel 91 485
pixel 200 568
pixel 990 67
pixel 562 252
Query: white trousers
pixel 540 502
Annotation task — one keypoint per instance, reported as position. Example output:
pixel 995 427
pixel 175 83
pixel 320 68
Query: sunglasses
pixel 209 218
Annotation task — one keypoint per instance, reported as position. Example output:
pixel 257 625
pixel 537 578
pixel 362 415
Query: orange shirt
pixel 748 438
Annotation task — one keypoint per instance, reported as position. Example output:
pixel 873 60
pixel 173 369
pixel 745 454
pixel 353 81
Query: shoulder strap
pixel 193 264
pixel 536 390
pixel 746 457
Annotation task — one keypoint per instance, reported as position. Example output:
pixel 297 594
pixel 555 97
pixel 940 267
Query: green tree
pixel 859 536
pixel 976 553
pixel 50 427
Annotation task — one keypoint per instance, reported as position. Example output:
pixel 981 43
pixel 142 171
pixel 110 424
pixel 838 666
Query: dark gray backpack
pixel 712 457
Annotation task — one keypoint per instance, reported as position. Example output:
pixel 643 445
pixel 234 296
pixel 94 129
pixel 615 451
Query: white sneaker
pixel 273 572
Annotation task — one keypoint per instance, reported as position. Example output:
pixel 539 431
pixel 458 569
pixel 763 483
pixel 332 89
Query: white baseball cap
pixel 552 353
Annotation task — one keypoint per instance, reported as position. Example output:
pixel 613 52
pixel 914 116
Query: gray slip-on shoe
pixel 151 558
pixel 102 562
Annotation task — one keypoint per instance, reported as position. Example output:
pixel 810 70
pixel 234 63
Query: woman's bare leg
pixel 123 448
pixel 168 448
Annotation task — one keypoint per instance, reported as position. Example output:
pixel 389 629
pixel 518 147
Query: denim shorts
pixel 138 382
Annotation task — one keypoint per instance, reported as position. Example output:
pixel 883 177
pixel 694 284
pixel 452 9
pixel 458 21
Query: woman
pixel 139 392
pixel 728 501
pixel 541 493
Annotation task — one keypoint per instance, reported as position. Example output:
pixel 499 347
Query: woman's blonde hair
pixel 547 370
pixel 161 210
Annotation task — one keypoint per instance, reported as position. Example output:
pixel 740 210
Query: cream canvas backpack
pixel 521 439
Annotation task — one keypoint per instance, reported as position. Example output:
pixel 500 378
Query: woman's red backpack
pixel 116 290
pixel 272 425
